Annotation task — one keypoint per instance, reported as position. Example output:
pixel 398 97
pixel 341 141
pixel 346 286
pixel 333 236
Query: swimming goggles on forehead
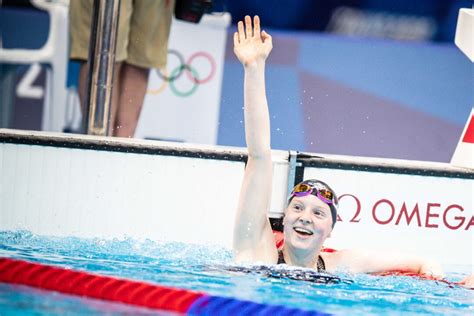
pixel 315 188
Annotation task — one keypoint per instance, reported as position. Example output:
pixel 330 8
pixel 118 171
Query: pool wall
pixel 75 185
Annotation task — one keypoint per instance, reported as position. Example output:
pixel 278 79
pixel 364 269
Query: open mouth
pixel 303 231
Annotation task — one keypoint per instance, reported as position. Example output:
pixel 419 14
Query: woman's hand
pixel 468 282
pixel 432 269
pixel 251 46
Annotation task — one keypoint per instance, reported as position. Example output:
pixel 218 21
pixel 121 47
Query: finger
pixel 236 38
pixel 256 25
pixel 266 37
pixel 240 28
pixel 248 26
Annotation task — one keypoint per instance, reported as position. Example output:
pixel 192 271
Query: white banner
pixel 182 102
pixel 429 216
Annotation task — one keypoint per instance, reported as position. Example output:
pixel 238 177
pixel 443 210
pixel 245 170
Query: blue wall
pixel 363 97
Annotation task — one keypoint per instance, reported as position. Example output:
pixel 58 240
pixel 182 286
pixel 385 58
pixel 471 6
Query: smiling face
pixel 307 224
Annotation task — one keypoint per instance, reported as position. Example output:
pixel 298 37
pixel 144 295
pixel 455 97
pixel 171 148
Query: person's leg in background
pixel 133 84
pixel 142 42
pixel 80 18
pixel 147 48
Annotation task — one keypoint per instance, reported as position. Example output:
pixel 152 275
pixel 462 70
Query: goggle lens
pixel 326 194
pixel 303 189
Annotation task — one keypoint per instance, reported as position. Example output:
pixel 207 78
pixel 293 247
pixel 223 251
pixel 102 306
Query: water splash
pixel 198 267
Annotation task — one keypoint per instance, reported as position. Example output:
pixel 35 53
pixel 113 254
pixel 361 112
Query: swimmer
pixel 311 213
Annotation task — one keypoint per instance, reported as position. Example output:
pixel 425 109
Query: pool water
pixel 200 268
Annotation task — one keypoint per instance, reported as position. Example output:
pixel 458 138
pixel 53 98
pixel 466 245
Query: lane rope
pixel 131 292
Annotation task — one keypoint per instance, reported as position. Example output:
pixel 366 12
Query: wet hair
pixel 333 206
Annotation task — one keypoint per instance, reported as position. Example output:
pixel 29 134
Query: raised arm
pixel 253 238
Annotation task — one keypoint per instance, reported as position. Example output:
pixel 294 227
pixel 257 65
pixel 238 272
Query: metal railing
pixel 101 66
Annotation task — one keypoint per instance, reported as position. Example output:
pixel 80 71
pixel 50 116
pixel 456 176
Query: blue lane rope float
pixel 216 305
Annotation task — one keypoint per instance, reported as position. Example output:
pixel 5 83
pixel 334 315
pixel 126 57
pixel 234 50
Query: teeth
pixel 303 230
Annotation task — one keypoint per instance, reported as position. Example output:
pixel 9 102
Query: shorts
pixel 143 31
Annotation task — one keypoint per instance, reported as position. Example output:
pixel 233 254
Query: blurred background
pixel 353 77
pixel 420 20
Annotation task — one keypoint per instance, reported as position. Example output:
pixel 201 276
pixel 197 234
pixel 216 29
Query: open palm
pixel 251 45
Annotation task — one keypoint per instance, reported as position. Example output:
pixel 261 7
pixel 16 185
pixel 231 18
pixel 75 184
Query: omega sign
pixel 385 212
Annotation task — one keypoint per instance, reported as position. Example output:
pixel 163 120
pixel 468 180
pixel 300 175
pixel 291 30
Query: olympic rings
pixel 160 88
pixel 181 67
pixel 186 93
pixel 211 61
pixel 191 72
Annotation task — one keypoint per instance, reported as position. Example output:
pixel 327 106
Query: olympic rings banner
pixel 183 100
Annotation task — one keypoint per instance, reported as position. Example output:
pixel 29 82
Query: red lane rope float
pixel 419 276
pixel 134 292
pixel 96 286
